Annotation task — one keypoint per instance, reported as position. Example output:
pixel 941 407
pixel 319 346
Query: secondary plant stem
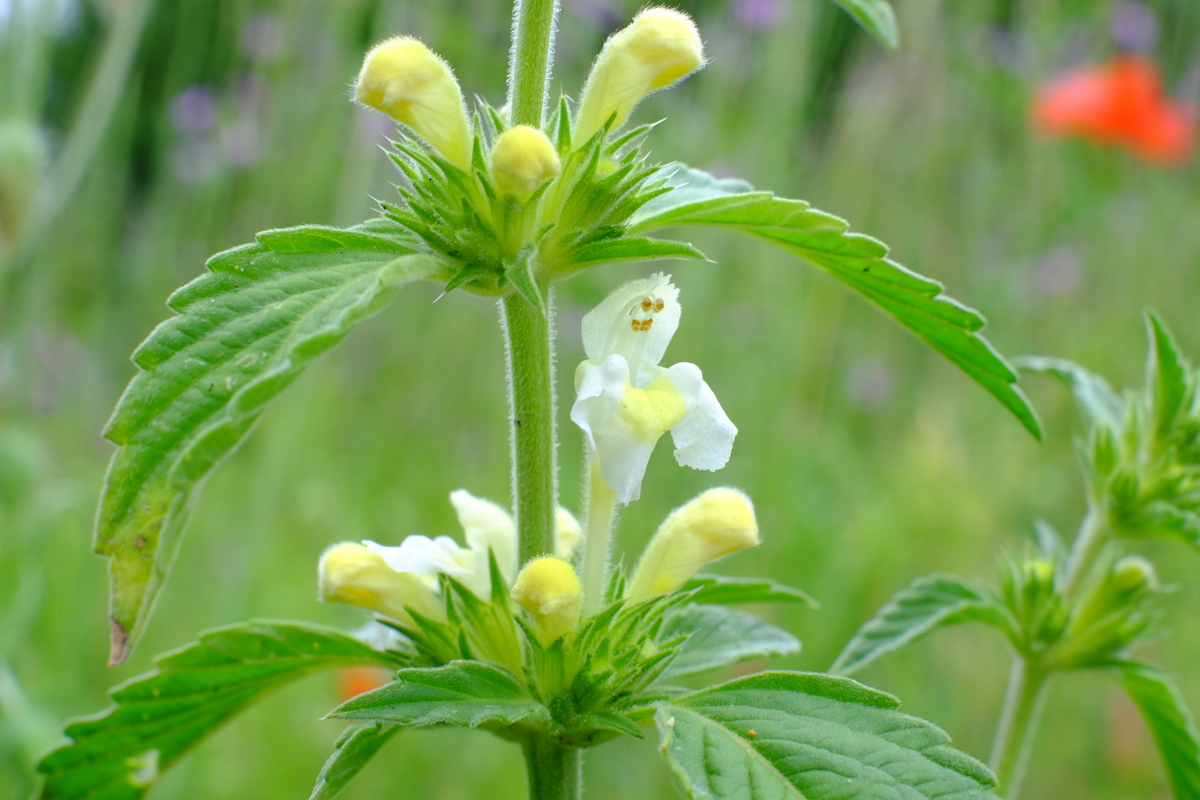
pixel 554 770
pixel 529 60
pixel 1018 724
pixel 596 537
pixel 531 405
pixel 1087 543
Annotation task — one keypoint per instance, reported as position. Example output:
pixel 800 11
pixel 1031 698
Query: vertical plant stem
pixel 554 770
pixel 531 407
pixel 1087 543
pixel 529 61
pixel 1018 724
pixel 596 538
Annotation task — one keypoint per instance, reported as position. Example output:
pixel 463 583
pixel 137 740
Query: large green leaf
pixel 357 745
pixel 929 603
pixel 860 262
pixel 243 332
pixel 119 753
pixel 876 17
pixel 719 636
pixel 1166 713
pixel 467 694
pixel 809 736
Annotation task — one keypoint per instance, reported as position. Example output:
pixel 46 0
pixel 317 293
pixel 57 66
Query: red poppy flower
pixel 356 680
pixel 1119 103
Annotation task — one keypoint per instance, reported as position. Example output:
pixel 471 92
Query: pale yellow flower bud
pixel 549 590
pixel 715 524
pixel 660 47
pixel 407 81
pixel 1133 572
pixel 522 160
pixel 568 536
pixel 350 573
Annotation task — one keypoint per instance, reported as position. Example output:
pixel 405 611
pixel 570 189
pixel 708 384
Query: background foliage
pixel 871 461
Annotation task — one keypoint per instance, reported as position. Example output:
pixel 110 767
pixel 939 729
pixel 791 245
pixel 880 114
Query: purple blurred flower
pixel 1135 26
pixel 240 143
pixel 756 14
pixel 868 385
pixel 1058 272
pixel 194 110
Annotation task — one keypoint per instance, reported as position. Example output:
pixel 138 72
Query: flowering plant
pixel 529 629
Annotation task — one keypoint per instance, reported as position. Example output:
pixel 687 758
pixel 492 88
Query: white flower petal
pixel 488 526
pixel 704 437
pixel 425 556
pixel 651 302
pixel 597 411
pixel 568 534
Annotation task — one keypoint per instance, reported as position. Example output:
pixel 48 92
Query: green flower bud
pixel 713 525
pixel 659 48
pixel 350 573
pixel 550 591
pixel 407 81
pixel 522 160
pixel 1133 572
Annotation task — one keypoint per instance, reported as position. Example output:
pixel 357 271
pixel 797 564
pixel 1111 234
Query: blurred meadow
pixel 138 137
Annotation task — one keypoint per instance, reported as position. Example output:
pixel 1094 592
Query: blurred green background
pixel 871 460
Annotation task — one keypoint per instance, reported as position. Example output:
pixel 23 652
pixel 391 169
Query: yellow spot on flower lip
pixel 652 411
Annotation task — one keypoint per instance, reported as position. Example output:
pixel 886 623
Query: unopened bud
pixel 715 524
pixel 407 81
pixel 1133 572
pixel 568 534
pixel 660 47
pixel 1040 572
pixel 350 573
pixel 549 590
pixel 522 160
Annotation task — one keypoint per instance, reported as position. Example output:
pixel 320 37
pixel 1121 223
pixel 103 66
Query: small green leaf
pixel 353 749
pixel 1167 374
pixel 724 589
pixel 876 17
pixel 467 694
pixel 521 275
pixel 630 248
pixel 718 637
pixel 242 334
pixel 1166 714
pixel 858 261
pixel 809 736
pixel 157 717
pixel 929 603
pixel 1099 404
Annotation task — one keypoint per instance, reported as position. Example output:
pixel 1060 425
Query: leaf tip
pixel 119 652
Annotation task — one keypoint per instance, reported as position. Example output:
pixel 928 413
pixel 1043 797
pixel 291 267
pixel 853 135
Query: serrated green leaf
pixel 1098 403
pixel 467 694
pixel 629 248
pixel 1167 375
pixel 243 332
pixel 718 637
pixel 353 749
pixel 730 590
pixel 1170 722
pixel 119 753
pixel 876 17
pixel 929 603
pixel 858 261
pixel 812 737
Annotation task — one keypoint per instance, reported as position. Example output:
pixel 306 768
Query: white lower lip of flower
pixel 622 428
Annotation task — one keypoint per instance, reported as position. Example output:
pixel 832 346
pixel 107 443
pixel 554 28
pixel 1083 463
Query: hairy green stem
pixel 531 407
pixel 596 538
pixel 554 770
pixel 529 61
pixel 1018 724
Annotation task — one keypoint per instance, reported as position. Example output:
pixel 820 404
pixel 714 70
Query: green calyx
pixel 494 243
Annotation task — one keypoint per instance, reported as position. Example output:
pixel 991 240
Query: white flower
pixel 625 401
pixel 487 527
